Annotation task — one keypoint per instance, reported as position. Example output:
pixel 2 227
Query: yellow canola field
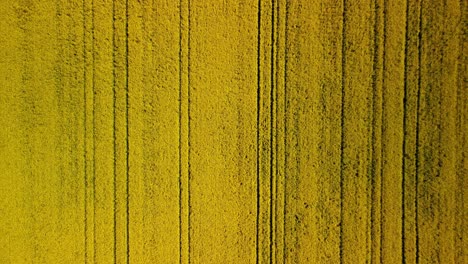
pixel 233 131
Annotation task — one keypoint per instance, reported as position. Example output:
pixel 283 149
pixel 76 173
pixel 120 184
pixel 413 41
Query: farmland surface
pixel 233 131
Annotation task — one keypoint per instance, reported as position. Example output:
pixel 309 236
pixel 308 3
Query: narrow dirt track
pixel 233 131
